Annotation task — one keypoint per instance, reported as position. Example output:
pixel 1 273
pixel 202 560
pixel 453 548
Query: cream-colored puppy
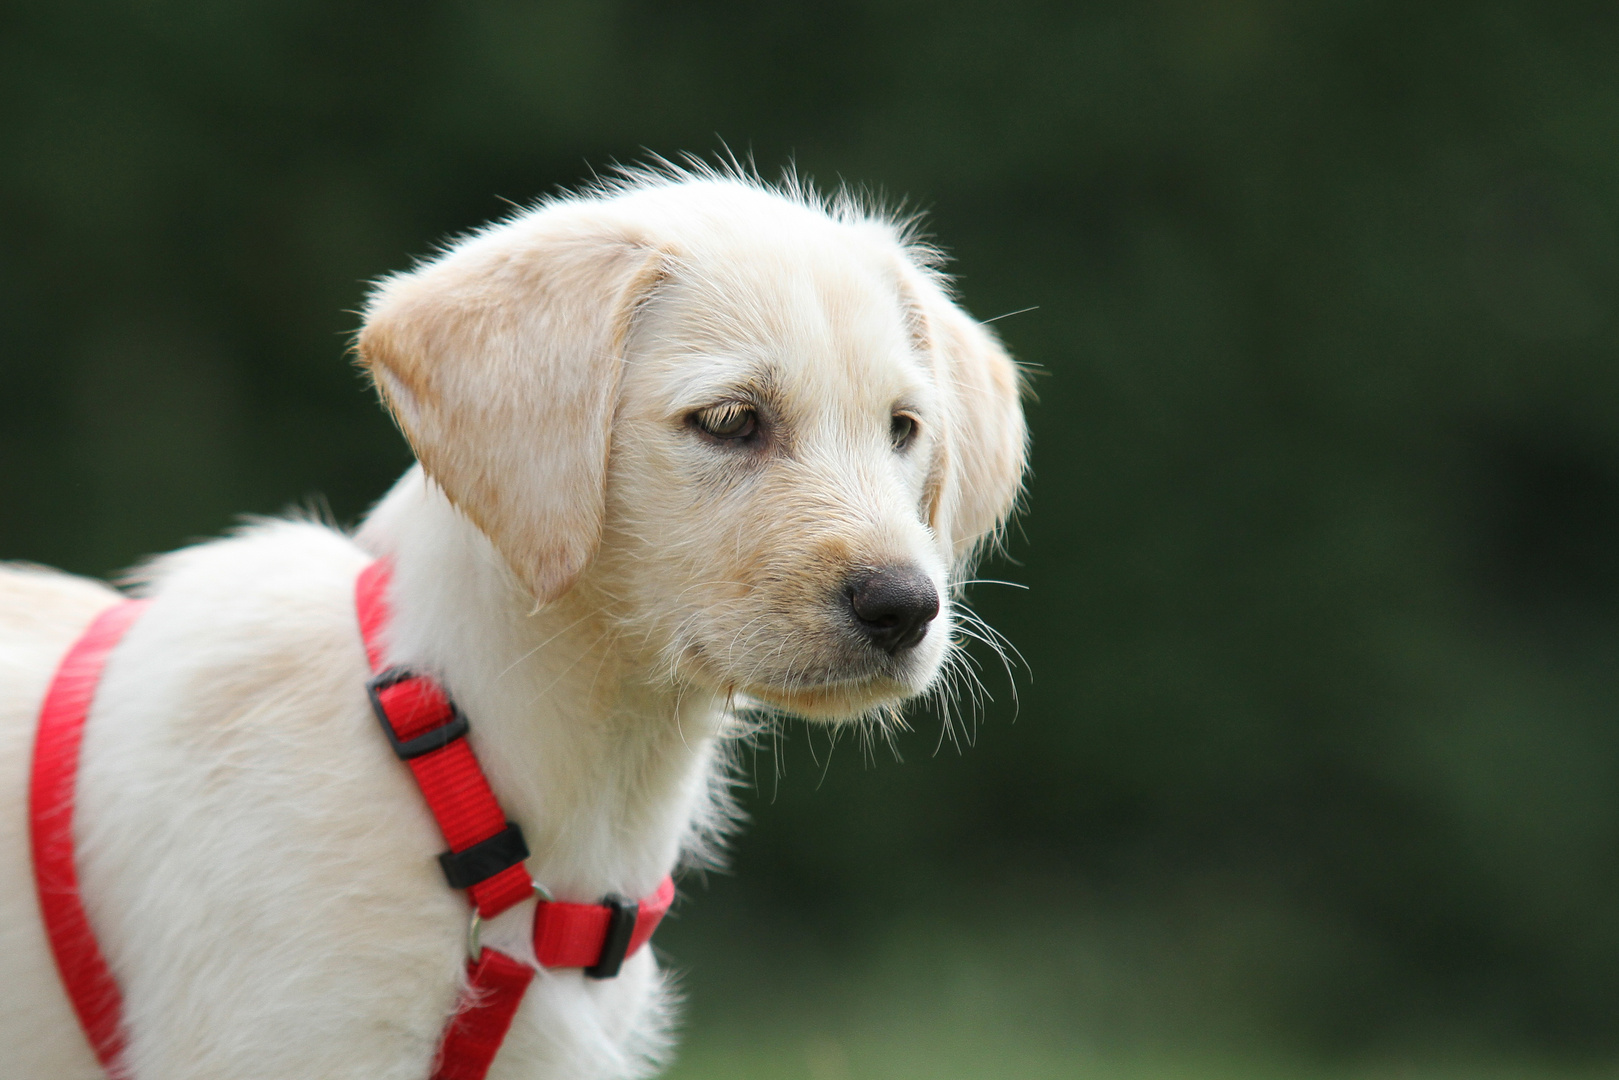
pixel 681 439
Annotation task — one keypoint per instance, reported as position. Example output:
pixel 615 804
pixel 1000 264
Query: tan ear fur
pixel 501 360
pixel 977 473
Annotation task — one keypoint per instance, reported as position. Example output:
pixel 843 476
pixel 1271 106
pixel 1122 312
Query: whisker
pixel 1009 314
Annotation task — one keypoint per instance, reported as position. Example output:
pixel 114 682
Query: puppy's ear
pixel 500 360
pixel 978 471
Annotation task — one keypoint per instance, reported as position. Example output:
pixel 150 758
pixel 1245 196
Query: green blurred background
pixel 1315 768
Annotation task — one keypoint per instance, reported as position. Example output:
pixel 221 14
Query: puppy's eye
pixel 902 430
pixel 732 421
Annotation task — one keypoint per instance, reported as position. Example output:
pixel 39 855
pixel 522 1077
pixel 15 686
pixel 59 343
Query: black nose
pixel 893 606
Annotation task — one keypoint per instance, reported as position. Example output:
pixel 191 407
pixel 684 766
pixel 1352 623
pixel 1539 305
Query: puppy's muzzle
pixel 892 606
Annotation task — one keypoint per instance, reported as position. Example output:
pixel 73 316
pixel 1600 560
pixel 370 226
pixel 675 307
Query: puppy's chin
pixel 836 701
pixel 848 684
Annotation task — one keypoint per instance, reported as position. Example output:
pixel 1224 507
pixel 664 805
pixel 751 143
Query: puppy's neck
pixel 609 769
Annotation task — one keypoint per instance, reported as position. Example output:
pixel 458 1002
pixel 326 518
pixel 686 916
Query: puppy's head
pixel 756 434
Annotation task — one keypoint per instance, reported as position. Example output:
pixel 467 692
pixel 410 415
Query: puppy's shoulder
pixel 277 592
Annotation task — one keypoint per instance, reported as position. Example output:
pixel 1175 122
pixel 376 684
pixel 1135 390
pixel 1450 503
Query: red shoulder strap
pixel 52 783
pixel 428 732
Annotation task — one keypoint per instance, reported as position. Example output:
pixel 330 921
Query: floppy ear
pixel 500 360
pixel 978 471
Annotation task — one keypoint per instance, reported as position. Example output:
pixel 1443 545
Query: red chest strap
pixel 52 783
pixel 486 852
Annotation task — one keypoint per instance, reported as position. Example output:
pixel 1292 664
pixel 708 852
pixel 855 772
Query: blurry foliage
pixel 1323 539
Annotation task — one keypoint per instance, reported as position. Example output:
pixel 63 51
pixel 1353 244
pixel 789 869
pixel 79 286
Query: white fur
pixel 259 868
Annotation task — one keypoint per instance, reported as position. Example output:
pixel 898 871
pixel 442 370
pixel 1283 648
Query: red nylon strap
pixel 572 935
pixel 456 790
pixel 85 975
pixel 495 986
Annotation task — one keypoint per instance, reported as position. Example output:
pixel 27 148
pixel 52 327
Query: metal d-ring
pixel 474 936
pixel 475 923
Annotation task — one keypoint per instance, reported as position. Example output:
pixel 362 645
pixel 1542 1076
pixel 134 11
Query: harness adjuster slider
pixel 435 739
pixel 465 868
pixel 621 919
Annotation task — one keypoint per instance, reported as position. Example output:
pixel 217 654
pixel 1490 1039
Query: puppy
pixel 683 439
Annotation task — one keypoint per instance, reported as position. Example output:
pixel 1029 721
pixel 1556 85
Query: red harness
pixel 428 732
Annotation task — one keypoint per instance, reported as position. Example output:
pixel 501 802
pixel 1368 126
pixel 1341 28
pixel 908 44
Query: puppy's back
pixel 40 606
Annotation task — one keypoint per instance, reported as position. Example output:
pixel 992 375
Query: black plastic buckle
pixel 620 928
pixel 428 741
pixel 485 859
